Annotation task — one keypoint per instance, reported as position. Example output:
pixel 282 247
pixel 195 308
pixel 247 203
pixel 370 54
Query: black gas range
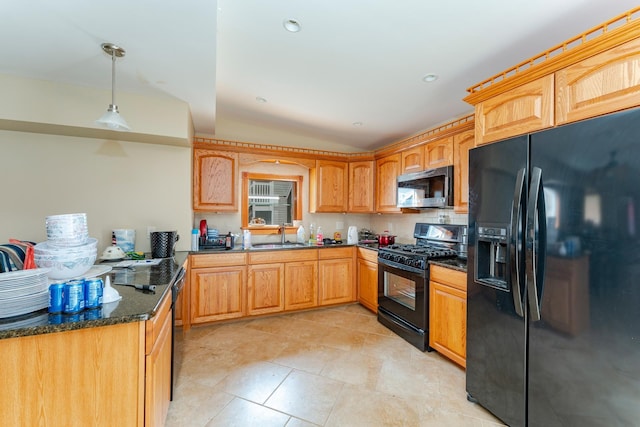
pixel 403 279
pixel 414 256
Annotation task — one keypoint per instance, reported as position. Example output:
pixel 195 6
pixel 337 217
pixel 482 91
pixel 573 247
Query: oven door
pixel 403 293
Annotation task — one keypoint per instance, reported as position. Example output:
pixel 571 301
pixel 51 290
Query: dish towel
pixel 16 255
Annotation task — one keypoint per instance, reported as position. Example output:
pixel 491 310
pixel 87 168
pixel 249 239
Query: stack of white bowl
pixel 69 251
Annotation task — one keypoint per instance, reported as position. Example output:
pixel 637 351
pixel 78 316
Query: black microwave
pixel 432 188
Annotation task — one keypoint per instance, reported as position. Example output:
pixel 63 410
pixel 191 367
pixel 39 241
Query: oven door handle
pixel 515 241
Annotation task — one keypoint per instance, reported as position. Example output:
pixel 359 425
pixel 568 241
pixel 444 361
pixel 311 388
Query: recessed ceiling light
pixel 357 124
pixel 261 100
pixel 291 25
pixel 430 78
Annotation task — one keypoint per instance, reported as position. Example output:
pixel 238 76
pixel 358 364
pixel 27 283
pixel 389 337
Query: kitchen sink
pixel 286 245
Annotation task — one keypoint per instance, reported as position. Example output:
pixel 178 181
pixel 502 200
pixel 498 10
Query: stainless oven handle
pixel 515 241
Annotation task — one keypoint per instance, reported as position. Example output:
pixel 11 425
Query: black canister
pixel 163 243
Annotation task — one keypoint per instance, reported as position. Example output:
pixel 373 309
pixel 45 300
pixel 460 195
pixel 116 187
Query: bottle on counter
pixel 301 235
pixel 228 241
pixel 319 237
pixel 246 239
pixel 195 235
pixel 312 235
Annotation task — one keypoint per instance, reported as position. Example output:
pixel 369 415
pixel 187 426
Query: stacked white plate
pixel 23 291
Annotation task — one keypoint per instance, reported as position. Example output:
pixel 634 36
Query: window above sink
pixel 270 200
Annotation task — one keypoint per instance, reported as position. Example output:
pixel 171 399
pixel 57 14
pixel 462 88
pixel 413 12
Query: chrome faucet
pixel 283 230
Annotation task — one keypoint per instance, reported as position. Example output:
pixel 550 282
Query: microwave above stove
pixel 432 188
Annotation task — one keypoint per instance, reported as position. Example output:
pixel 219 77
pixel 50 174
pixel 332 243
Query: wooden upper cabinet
pixel 524 109
pixel 387 171
pixel 462 143
pixel 328 186
pixel 413 160
pixel 214 180
pixel 361 186
pixel 607 82
pixel 438 153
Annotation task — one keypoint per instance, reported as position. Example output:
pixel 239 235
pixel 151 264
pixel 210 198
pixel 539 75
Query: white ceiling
pixel 353 61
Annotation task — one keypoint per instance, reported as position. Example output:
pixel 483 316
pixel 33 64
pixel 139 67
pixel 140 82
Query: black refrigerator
pixel 553 335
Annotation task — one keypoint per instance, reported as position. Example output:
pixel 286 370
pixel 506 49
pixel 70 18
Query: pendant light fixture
pixel 112 118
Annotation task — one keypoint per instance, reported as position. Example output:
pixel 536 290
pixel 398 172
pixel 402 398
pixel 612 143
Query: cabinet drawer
pixel 334 253
pixel 218 260
pixel 454 278
pixel 368 254
pixel 263 257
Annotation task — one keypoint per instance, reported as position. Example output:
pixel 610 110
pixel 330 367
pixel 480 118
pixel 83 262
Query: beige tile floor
pixel 327 367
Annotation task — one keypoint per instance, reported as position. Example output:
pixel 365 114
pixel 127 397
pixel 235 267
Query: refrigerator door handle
pixel 516 240
pixel 535 239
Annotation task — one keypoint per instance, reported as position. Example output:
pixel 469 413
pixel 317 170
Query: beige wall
pixel 117 184
pixel 72 109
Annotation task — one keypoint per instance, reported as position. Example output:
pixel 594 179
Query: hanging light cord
pixel 113 78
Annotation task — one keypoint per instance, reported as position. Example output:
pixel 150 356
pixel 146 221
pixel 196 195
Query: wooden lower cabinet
pixel 157 394
pixel 115 375
pixel 367 278
pixel 448 313
pixel 218 293
pixel 336 279
pixel 296 274
pixel 265 289
pixel 300 285
pixel 84 377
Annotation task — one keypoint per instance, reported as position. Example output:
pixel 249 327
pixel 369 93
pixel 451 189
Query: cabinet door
pixel 335 277
pixel 217 293
pixel 300 285
pixel 412 160
pixel 361 186
pixel 522 110
pixel 368 284
pixel 448 321
pixel 601 84
pixel 387 171
pixel 265 288
pixel 462 143
pixel 158 377
pixel 214 181
pixel 438 153
pixel 328 186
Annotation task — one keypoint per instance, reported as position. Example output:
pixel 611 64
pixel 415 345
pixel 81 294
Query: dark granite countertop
pixel 372 246
pixel 134 306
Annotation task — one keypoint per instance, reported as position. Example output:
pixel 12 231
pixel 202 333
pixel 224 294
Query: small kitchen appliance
pixel 352 235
